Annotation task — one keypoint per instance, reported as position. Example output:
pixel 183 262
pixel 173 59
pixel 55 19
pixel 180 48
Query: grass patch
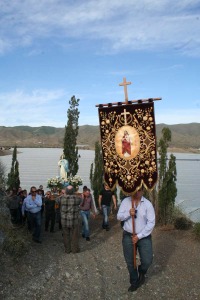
pixel 182 223
pixel 196 230
pixel 16 240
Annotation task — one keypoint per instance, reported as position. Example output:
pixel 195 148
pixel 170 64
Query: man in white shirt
pixel 144 221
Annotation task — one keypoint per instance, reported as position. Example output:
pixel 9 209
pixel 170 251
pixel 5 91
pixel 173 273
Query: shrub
pixel 15 244
pixel 15 240
pixel 182 223
pixel 196 230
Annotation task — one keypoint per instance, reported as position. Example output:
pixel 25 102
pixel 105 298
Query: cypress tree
pixel 13 181
pixel 71 132
pixel 167 190
pixel 2 177
pixel 96 172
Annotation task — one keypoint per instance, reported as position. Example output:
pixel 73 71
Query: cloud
pixel 117 25
pixel 37 108
pixel 49 108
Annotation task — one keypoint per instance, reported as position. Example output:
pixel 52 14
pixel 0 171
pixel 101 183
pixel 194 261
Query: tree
pixel 71 132
pixel 96 172
pixel 2 178
pixel 13 181
pixel 167 190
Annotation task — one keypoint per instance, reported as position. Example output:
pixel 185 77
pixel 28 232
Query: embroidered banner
pixel 128 142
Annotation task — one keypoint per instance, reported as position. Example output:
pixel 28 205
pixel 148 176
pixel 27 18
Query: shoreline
pixel 5 152
pixel 170 150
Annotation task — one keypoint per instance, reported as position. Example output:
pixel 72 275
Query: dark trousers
pixel 27 219
pixel 14 214
pixel 71 238
pixel 144 247
pixel 50 218
pixel 35 221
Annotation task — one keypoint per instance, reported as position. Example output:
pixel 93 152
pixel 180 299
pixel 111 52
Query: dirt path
pixel 99 270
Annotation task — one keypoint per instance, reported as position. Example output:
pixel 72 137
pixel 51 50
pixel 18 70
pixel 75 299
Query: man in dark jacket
pixel 50 211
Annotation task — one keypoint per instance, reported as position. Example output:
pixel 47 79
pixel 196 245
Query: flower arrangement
pixel 75 181
pixel 55 182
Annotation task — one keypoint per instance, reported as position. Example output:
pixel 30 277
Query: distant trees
pixel 167 190
pixel 13 181
pixel 96 172
pixel 70 150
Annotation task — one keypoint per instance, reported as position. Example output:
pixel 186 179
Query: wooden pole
pixel 134 245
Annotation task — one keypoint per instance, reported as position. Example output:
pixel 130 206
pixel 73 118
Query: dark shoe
pixel 46 229
pixel 52 231
pixel 141 280
pixel 37 241
pixel 77 251
pixel 83 235
pixel 68 252
pixel 87 238
pixel 132 288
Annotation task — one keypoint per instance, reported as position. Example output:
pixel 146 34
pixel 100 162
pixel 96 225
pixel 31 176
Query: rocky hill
pixel 184 136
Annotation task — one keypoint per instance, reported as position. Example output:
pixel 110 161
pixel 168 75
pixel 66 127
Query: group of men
pixel 136 206
pixel 72 205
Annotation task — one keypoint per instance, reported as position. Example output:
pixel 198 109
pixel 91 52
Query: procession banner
pixel 128 142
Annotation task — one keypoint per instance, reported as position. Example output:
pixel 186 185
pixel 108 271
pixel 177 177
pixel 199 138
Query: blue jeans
pixel 35 221
pixel 106 213
pixel 145 250
pixel 85 214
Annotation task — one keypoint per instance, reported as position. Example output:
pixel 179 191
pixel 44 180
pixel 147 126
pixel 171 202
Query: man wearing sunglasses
pixel 144 220
pixel 33 204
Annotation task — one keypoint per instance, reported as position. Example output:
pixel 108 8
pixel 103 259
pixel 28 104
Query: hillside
pixel 184 136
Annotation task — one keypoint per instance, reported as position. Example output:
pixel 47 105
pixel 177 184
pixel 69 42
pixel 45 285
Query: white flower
pixel 75 181
pixel 54 182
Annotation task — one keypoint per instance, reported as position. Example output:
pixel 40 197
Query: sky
pixel 51 50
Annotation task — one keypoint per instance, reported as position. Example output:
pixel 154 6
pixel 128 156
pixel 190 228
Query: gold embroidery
pixel 129 146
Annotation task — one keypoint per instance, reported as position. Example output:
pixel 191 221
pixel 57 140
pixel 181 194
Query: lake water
pixel 37 165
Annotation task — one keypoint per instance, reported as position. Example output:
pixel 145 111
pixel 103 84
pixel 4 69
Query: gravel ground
pixel 99 270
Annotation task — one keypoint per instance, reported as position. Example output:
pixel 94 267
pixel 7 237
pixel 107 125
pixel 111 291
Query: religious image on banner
pixel 128 142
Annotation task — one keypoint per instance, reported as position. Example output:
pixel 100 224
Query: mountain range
pixel 184 136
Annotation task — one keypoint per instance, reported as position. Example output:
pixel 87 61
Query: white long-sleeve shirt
pixel 145 220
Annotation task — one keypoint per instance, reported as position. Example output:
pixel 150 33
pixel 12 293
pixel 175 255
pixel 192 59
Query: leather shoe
pixel 37 241
pixel 132 288
pixel 141 280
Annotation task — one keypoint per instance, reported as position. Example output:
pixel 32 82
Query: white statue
pixel 64 167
